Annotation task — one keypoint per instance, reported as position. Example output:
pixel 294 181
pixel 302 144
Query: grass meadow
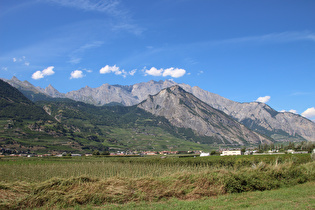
pixel 137 182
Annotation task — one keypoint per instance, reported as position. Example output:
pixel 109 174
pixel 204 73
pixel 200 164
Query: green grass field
pixel 176 182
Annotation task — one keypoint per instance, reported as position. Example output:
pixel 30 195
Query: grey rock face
pixel 51 91
pixel 142 90
pixel 23 85
pixel 103 95
pixel 126 95
pixel 183 109
pixel 260 117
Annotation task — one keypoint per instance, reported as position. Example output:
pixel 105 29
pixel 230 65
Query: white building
pixel 237 152
pixel 204 154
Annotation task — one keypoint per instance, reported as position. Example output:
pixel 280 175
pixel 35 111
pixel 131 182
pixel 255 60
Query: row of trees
pixel 300 146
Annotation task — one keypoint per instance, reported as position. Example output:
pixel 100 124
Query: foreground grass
pixel 84 190
pixel 296 197
pixel 36 170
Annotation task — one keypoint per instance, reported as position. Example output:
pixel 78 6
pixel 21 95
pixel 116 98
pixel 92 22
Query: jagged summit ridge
pixel 51 91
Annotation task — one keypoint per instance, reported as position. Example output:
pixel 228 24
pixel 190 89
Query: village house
pixel 291 151
pixel 226 153
pixel 203 154
pixel 149 153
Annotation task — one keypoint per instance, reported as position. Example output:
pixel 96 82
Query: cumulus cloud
pixel 113 69
pixel 37 75
pixel 154 72
pixel 173 72
pixel 41 74
pixel 14 60
pixel 263 99
pixel 309 113
pixel 48 71
pixel 76 74
pixel 109 69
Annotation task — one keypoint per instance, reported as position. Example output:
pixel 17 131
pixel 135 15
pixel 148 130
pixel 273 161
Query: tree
pixel 96 152
pixel 212 152
pixel 105 153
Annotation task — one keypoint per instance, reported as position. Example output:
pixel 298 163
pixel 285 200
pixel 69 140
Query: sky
pixel 243 50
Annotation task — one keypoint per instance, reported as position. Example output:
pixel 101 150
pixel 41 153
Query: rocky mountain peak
pixel 50 87
pixel 184 110
pixel 51 91
pixel 15 79
pixel 106 85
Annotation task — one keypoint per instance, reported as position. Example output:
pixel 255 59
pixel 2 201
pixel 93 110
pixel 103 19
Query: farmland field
pixel 127 181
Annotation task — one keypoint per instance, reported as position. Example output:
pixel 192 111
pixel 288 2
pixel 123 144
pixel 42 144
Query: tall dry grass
pixel 87 190
pixel 41 169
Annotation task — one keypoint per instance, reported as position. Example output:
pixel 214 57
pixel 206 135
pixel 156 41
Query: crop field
pixel 88 182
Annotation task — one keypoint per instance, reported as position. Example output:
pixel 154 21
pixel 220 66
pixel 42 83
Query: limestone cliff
pixel 185 110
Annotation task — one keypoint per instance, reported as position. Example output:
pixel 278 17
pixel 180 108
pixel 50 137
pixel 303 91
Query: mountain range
pixel 267 123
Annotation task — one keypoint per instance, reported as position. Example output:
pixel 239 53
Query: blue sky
pixel 243 50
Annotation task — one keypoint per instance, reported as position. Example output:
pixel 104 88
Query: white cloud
pixel 154 72
pixel 37 75
pixel 309 113
pixel 132 72
pixel 113 69
pixel 21 59
pixel 41 74
pixel 109 69
pixel 76 74
pixel 4 68
pixel 264 99
pixel 173 72
pixel 48 71
pixel 88 70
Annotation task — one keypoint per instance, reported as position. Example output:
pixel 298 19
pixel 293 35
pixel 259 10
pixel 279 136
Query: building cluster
pixel 151 153
pixel 143 153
